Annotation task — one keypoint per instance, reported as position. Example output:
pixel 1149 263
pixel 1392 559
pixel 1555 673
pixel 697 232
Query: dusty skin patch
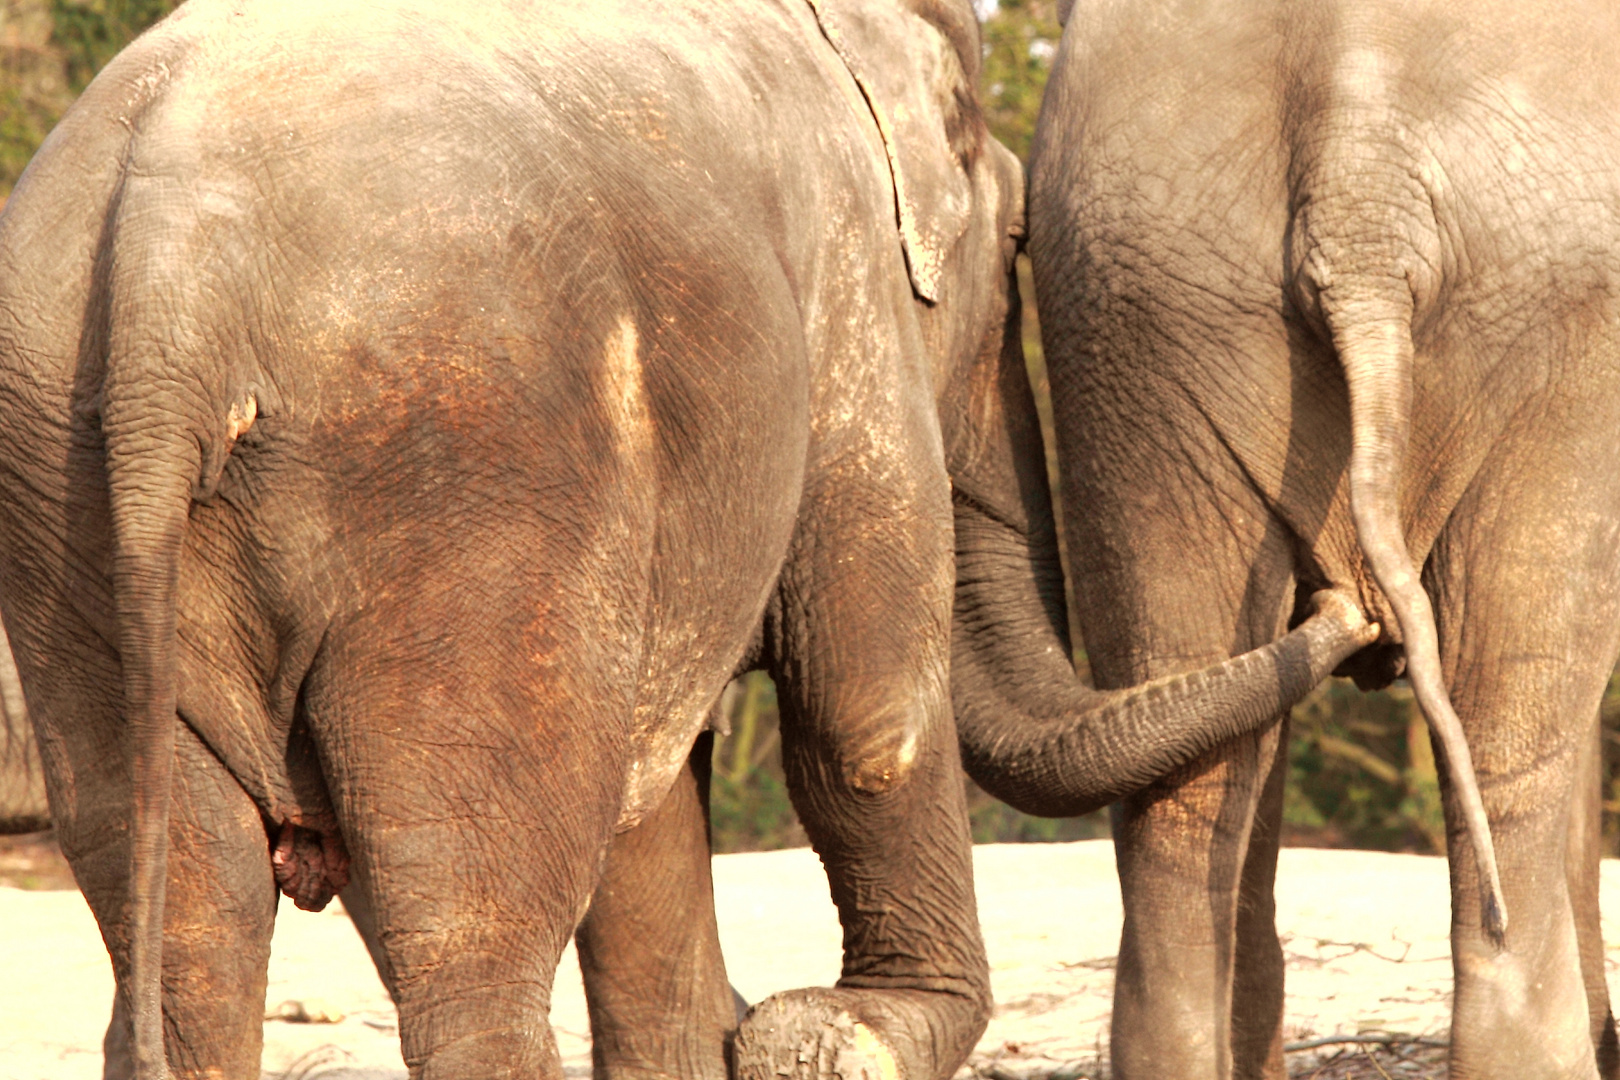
pixel 662 746
pixel 666 720
pixel 626 398
pixel 870 1047
pixel 811 1035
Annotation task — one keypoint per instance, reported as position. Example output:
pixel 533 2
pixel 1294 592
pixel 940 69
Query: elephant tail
pixel 1369 257
pixel 150 479
pixel 1371 330
pixel 168 427
pixel 168 424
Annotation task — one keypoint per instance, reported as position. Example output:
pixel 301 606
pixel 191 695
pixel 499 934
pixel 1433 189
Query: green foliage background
pixel 91 32
pixel 49 52
pixel 1361 772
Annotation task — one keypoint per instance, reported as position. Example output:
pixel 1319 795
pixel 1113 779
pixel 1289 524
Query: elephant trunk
pixel 1032 733
pixel 1036 737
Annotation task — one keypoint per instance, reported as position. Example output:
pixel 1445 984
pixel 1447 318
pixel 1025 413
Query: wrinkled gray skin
pixel 1250 222
pixel 23 808
pixel 435 405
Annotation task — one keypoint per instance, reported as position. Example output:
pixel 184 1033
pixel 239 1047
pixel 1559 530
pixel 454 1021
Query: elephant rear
pixel 421 413
pixel 1326 289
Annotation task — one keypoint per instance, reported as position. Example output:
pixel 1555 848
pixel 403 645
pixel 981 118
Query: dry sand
pixel 1365 934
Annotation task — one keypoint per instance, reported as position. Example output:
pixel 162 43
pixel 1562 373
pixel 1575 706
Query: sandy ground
pixel 1364 933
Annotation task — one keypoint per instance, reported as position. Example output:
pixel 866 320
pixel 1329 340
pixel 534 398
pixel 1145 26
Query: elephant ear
pixel 915 61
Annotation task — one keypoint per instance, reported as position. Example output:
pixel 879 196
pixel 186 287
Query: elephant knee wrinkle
pixel 883 764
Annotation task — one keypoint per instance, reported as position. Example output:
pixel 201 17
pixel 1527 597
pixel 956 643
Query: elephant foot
pixel 811 1035
pixel 311 867
pixel 848 1034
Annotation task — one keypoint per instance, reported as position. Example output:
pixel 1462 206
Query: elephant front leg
pixel 860 644
pixel 649 947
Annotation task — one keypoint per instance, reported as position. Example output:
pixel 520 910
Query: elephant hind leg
pixel 217 926
pixel 117 1053
pixel 1199 986
pixel 649 947
pixel 475 806
pixel 1581 859
pixel 1528 643
pixel 1257 984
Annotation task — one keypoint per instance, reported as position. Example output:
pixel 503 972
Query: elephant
pixel 1328 301
pixel 417 413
